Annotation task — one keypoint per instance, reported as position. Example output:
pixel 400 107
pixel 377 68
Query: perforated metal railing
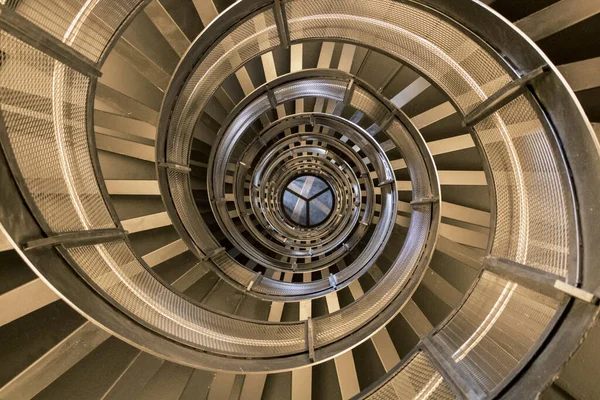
pixel 44 116
pixel 85 25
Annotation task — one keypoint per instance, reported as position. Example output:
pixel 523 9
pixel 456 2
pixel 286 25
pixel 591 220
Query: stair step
pixel 94 374
pixel 134 377
pixel 198 385
pixel 62 343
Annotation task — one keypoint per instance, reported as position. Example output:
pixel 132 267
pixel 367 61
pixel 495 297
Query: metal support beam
pixel 271 97
pixel 33 35
pixel 254 281
pixel 310 338
pixel 76 239
pixel 212 253
pixel 167 27
pixel 502 97
pixel 349 91
pixel 174 166
pixel 423 200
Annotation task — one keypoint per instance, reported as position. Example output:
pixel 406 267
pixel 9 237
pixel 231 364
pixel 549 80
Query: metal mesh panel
pixel 86 25
pixel 233 269
pixel 417 380
pixel 532 216
pixel 456 63
pixel 116 270
pixel 43 110
pixel 497 326
pixel 241 45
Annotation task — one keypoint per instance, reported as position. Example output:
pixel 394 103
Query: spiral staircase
pixel 299 199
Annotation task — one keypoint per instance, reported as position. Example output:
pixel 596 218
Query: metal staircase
pixel 299 199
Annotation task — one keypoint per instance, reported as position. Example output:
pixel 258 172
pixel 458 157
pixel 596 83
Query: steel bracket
pixel 502 97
